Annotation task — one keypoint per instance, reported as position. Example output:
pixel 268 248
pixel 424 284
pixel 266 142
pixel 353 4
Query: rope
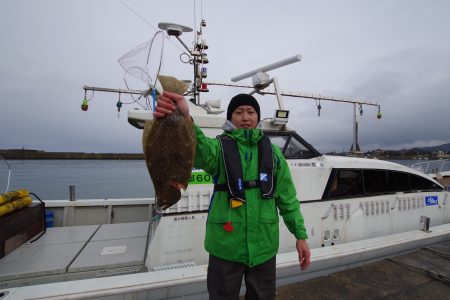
pixel 9 173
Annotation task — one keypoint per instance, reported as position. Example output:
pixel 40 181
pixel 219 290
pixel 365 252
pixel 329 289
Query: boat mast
pixel 196 56
pixel 261 81
pixel 354 149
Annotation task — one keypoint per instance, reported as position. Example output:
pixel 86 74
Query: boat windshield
pixel 292 145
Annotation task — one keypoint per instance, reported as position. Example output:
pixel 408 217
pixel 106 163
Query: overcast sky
pixel 394 53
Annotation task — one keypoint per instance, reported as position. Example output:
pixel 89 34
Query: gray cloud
pixel 392 53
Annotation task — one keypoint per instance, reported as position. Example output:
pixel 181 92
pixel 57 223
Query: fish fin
pixel 178 185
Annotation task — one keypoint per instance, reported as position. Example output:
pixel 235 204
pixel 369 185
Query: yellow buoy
pixel 4 199
pixel 14 200
pixel 23 193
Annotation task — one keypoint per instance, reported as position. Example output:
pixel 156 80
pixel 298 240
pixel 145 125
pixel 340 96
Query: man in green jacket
pixel 252 184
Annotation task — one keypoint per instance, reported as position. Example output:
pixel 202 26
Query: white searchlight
pixel 281 117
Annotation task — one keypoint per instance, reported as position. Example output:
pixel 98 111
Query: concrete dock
pixel 422 274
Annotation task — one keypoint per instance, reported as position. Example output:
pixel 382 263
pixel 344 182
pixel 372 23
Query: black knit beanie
pixel 243 99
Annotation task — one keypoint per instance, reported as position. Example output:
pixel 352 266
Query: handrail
pixel 397 199
pixel 441 162
pixel 327 214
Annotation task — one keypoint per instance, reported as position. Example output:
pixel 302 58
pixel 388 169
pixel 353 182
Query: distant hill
pixel 414 153
pixel 443 147
pixel 40 154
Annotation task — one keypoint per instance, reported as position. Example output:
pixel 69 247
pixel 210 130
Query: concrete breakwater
pixel 39 154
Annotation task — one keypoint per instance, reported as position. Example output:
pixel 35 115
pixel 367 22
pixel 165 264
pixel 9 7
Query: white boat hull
pixel 190 282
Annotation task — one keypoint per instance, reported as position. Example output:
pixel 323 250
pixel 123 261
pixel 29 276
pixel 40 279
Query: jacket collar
pixel 242 135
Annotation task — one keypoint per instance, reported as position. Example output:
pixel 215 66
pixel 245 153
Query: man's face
pixel 244 116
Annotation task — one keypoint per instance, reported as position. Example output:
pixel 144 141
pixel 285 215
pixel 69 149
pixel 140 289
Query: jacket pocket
pixel 221 212
pixel 268 212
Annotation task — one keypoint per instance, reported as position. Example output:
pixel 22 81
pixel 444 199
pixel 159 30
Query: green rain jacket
pixel 255 237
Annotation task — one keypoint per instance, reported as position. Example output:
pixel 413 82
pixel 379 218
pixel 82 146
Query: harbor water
pixel 93 179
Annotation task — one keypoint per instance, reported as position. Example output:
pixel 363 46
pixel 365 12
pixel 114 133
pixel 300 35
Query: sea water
pixel 93 179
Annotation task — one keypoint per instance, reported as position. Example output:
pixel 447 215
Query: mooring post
pixel 72 192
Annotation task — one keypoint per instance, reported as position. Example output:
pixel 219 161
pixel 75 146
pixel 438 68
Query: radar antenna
pixel 261 80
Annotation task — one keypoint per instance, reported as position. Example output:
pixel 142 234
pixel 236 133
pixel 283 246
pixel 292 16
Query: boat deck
pixel 76 252
pixel 422 274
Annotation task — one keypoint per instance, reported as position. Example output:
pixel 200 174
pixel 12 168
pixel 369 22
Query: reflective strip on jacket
pixel 255 235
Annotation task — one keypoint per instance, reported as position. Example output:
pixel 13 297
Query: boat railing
pixel 432 166
pixel 99 211
pixel 73 212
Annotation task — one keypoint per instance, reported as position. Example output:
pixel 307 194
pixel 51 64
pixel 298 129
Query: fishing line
pixel 148 23
pixel 195 20
pixel 137 14
pixel 160 56
pixel 90 97
pixel 132 97
pixel 9 173
pixel 201 9
pixel 137 62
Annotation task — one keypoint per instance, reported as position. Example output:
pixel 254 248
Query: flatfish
pixel 169 149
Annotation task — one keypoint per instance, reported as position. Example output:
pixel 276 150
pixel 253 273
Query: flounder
pixel 169 149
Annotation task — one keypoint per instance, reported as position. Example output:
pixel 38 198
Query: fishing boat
pixel 356 211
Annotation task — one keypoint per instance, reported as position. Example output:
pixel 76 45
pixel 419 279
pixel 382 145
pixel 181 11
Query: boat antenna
pixel 261 79
pixel 197 56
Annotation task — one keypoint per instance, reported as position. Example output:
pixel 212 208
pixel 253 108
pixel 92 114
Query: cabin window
pixel 398 182
pixel 279 141
pixel 422 184
pixel 383 182
pixel 376 181
pixel 348 183
pixel 292 145
pixel 294 149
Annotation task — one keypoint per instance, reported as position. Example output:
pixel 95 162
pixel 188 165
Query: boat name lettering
pixel 431 200
pixel 200 178
pixel 303 164
pixel 183 218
